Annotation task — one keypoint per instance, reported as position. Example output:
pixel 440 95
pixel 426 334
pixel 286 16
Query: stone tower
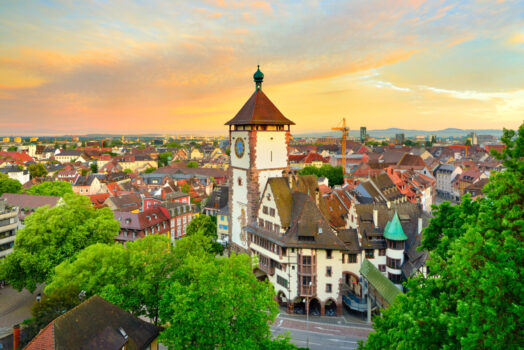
pixel 259 139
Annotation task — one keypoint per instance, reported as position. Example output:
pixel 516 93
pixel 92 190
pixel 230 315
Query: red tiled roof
pixel 45 340
pixel 259 110
pixel 98 200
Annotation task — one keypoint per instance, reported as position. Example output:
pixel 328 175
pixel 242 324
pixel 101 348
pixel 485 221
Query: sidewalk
pixel 15 307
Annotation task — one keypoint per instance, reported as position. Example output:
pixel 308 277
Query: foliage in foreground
pixel 52 235
pixel 203 302
pixel 473 296
pixel 51 188
pixel 8 185
pixel 333 173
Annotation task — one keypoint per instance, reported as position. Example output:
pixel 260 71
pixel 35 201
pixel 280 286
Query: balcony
pixel 307 270
pixel 267 269
pixel 307 291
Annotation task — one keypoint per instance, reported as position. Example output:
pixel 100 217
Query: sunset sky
pixel 179 67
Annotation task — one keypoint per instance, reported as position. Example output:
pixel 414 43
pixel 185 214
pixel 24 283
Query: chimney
pixel 375 217
pixel 16 337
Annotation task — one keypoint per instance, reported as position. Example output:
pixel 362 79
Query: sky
pixel 186 67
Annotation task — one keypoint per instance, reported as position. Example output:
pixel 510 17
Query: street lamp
pixel 307 315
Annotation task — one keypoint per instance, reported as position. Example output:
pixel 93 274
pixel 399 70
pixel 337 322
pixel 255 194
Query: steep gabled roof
pixel 95 324
pixel 259 110
pixel 381 283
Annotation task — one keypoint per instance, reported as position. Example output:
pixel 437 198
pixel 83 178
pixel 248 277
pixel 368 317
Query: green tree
pixel 51 188
pixel 172 145
pixel 128 171
pixel 468 143
pixel 94 168
pixel 164 158
pixel 217 304
pixel 8 185
pixel 12 149
pixel 192 164
pixel 84 172
pixel 52 235
pixel 130 277
pixel 207 226
pixel 186 188
pixel 49 308
pixel 335 175
pixel 472 297
pixel 149 170
pixel 37 170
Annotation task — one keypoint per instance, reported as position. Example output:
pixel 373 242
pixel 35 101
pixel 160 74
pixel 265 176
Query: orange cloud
pixel 262 5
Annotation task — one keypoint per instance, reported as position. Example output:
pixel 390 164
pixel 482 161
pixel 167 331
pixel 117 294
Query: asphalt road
pixel 317 341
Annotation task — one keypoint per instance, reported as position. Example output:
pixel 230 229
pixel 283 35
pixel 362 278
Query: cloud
pixel 155 64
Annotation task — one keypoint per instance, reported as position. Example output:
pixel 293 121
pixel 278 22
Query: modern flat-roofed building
pixel 8 227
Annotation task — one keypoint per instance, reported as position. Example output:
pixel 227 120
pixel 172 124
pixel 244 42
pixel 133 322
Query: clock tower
pixel 259 141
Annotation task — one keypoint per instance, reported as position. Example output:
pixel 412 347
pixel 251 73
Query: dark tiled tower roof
pixel 259 110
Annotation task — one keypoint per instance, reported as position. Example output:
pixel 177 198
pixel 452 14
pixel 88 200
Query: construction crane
pixel 344 130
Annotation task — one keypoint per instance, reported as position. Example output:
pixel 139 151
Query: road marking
pixel 344 341
pixel 327 329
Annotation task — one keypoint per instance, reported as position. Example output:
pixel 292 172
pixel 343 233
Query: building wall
pixel 8 227
pixel 222 227
pixel 271 150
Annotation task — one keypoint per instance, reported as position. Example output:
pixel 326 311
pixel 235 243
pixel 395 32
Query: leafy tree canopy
pixel 94 168
pixel 164 158
pixel 206 226
pixel 472 297
pixel 8 185
pixel 192 164
pixel 130 277
pixel 51 188
pixel 334 174
pixel 149 170
pixel 199 305
pixel 172 145
pixel 52 235
pixel 37 170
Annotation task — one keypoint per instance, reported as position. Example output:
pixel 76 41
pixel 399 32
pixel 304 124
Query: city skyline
pixel 179 69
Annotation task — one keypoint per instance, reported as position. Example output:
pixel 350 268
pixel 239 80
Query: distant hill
pixel 391 132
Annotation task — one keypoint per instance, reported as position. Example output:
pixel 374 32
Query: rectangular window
pixel 381 252
pixel 370 253
pixel 261 223
pixel 328 271
pixel 265 209
pixel 277 228
pixel 328 254
pixel 352 258
pixel 269 226
pixel 328 288
pixel 272 212
pixel 306 260
pixel 306 280
pixel 393 263
pixel 282 281
pixel 382 268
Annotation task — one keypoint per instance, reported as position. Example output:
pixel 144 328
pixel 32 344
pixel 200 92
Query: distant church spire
pixel 258 77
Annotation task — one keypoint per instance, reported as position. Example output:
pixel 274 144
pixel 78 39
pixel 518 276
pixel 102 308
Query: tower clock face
pixel 239 147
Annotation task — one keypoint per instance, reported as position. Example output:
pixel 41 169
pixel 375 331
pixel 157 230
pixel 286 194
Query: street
pixel 15 307
pixel 323 333
pixel 317 341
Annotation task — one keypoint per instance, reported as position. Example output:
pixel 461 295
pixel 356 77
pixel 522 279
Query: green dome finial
pixel 258 77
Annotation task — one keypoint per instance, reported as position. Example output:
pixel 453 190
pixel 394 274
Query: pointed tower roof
pixel 259 110
pixel 394 230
